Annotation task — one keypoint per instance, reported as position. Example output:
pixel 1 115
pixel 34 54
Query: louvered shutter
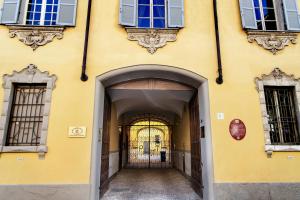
pixel 10 11
pixel 128 12
pixel 66 14
pixel 291 15
pixel 175 13
pixel 248 14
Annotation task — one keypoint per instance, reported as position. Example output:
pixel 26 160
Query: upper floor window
pixel 265 15
pixel 42 12
pixel 270 15
pixel 39 12
pixel 152 13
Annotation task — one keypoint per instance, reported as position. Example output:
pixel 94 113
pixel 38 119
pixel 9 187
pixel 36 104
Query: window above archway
pixel 152 23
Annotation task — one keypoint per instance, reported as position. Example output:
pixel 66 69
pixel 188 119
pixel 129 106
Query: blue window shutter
pixel 291 15
pixel 128 10
pixel 10 11
pixel 248 14
pixel 175 13
pixel 66 13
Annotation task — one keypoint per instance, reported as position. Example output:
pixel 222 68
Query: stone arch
pixel 150 71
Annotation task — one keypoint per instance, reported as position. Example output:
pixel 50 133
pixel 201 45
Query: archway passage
pixel 151 121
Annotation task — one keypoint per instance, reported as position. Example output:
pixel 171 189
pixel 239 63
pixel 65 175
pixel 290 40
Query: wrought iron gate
pixel 149 145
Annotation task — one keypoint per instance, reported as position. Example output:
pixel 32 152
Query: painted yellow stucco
pixel 68 159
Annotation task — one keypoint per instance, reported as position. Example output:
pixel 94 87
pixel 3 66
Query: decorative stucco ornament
pixel 272 41
pixel 35 36
pixel 152 39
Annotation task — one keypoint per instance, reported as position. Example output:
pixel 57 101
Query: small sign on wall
pixel 220 116
pixel 77 131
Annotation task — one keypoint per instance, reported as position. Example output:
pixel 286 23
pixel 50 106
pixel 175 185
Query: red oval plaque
pixel 237 129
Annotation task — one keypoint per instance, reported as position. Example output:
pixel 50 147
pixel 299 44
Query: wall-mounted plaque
pixel 237 129
pixel 77 132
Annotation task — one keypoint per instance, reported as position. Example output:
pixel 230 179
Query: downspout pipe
pixel 219 80
pixel 84 76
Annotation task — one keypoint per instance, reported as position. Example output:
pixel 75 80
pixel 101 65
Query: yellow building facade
pixel 149 73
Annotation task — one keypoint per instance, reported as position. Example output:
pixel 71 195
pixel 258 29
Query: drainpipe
pixel 84 77
pixel 219 80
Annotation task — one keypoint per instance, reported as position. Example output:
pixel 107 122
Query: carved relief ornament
pixel 152 39
pixel 272 41
pixel 35 36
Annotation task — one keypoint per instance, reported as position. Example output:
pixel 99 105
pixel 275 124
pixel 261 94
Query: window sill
pixel 273 41
pixel 281 148
pixel 152 39
pixel 35 36
pixel 25 149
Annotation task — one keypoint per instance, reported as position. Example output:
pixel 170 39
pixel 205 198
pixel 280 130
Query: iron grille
pixel 26 115
pixel 149 146
pixel 280 102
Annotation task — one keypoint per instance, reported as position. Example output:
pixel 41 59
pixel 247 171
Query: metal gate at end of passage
pixel 149 145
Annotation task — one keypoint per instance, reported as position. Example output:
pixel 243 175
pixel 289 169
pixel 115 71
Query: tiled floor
pixel 150 184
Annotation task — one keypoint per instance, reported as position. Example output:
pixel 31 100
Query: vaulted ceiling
pixel 150 96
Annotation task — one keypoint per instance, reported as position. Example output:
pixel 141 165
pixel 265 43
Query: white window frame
pixel 262 15
pixel 43 13
pixel 30 74
pixel 276 78
pixel 151 14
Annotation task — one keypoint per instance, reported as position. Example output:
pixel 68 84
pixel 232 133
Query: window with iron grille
pixel 26 117
pixel 281 109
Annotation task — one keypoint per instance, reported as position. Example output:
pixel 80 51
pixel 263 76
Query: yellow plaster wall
pixel 68 160
pixel 246 161
pixel 181 134
pixel 114 130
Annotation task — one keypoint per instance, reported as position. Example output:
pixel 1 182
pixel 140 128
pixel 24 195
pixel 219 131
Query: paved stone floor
pixel 150 184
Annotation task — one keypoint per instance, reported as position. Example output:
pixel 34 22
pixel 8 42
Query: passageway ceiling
pixel 149 101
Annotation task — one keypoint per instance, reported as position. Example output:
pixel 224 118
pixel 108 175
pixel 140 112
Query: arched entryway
pixel 175 96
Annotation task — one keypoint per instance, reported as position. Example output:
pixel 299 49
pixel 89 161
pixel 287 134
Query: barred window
pixel 25 123
pixel 280 103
